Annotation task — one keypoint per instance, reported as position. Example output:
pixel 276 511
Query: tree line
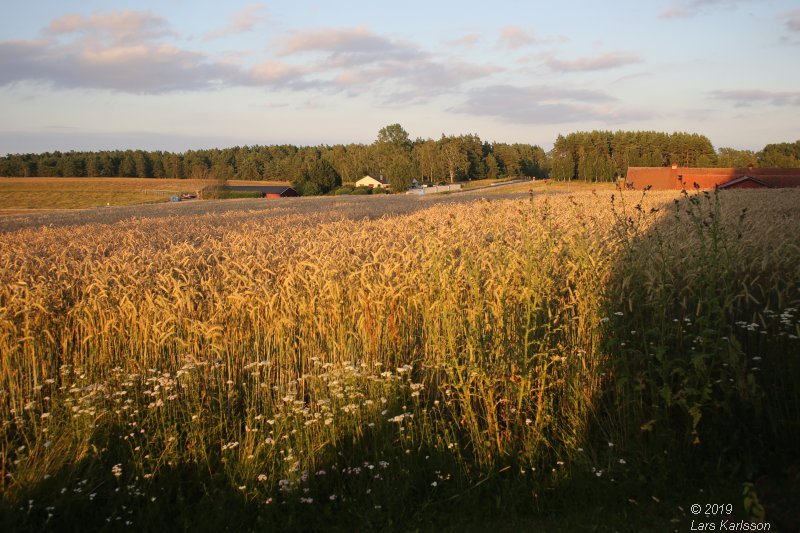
pixel 605 155
pixel 393 154
pixel 592 156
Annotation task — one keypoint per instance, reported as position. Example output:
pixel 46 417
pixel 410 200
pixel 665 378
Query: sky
pixel 187 74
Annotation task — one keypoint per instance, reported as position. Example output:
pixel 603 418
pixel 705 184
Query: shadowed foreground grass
pixel 568 363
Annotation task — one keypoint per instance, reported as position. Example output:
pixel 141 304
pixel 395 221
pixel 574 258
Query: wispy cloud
pixel 357 60
pixel 342 41
pixel 515 37
pixel 244 20
pixel 792 20
pixel 116 27
pixel 749 97
pixel 688 8
pixel 278 74
pixel 470 39
pixel 543 104
pixel 602 62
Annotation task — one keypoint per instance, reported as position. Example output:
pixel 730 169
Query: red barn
pixel 745 182
pixel 677 178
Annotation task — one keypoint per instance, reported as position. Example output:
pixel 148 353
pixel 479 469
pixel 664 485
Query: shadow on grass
pixel 703 326
pixel 365 485
pixel 369 491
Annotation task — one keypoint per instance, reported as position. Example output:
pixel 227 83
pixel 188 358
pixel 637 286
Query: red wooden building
pixel 678 178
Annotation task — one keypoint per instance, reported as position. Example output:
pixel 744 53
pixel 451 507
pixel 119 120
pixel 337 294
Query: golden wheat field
pixel 22 194
pixel 326 356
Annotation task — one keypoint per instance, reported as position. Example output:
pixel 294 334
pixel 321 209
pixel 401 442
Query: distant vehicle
pixel 175 199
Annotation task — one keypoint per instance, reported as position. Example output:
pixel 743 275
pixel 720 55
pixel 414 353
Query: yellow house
pixel 373 183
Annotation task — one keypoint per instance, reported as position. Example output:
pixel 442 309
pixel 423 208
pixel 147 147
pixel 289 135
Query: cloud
pixel 749 97
pixel 466 40
pixel 141 67
pixel 347 46
pixel 407 82
pixel 117 27
pixel 421 73
pixel 124 51
pixel 358 60
pixel 418 81
pixel 120 51
pixel 602 62
pixel 633 76
pixel 542 104
pixel 244 20
pixel 515 37
pixel 280 75
pixel 690 8
pixel 792 20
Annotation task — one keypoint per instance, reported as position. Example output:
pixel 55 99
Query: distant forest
pixel 592 156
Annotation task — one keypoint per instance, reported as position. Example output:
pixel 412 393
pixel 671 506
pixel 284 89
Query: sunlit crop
pixel 313 360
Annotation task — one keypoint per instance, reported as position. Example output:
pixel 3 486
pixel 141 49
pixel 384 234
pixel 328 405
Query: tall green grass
pixel 705 328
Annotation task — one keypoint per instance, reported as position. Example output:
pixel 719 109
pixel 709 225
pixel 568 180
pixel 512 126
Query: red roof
pixel 745 182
